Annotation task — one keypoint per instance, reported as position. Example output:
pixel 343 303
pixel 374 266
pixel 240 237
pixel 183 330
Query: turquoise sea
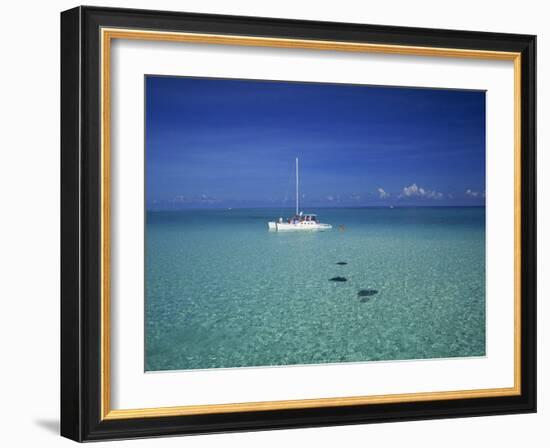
pixel 396 284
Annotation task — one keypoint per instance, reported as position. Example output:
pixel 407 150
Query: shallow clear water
pixel 222 291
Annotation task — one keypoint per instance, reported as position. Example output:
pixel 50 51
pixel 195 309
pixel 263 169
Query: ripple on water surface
pixel 222 291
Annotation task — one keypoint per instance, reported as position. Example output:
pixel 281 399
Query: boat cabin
pixel 303 218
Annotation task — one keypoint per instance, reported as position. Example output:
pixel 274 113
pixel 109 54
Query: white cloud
pixel 413 190
pixel 202 198
pixel 416 191
pixel 473 194
pixel 434 195
pixel 383 194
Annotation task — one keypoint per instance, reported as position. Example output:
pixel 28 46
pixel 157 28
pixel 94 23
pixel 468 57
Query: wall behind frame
pixel 29 235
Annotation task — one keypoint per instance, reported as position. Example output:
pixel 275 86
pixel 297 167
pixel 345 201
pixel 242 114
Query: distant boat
pixel 300 221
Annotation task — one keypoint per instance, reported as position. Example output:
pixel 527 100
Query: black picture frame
pixel 81 224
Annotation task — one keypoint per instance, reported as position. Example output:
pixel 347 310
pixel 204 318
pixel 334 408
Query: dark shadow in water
pixel 366 294
pixel 338 279
pixel 51 425
pixel 342 263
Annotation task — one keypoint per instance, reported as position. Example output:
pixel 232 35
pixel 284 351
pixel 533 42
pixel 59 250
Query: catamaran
pixel 300 221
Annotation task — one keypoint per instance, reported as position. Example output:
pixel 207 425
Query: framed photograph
pixel 273 223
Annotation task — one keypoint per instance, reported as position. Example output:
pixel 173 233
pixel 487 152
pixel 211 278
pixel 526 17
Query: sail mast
pixel 296 185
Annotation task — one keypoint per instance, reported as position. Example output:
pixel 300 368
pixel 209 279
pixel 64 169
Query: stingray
pixel 338 279
pixel 342 263
pixel 366 294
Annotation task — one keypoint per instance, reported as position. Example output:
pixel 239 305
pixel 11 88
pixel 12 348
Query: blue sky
pixel 232 143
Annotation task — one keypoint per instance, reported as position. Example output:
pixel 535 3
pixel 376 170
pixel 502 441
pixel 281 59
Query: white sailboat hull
pixel 298 227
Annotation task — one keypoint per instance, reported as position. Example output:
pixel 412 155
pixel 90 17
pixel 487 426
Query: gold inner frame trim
pixel 107 35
